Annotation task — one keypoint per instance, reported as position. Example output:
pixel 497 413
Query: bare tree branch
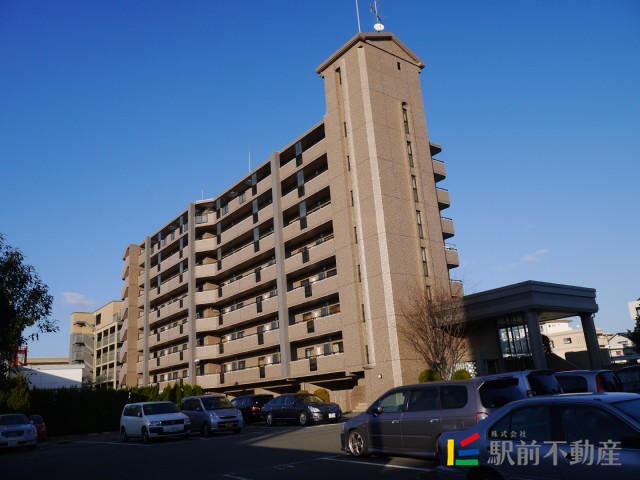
pixel 434 326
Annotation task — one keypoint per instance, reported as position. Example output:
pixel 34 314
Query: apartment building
pixel 295 276
pixel 95 344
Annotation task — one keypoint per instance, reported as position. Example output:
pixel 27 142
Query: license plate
pixel 13 443
pixel 332 415
pixel 228 425
pixel 172 429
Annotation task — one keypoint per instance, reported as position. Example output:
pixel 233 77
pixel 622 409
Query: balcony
pixel 122 352
pixel 321 326
pixel 439 170
pixel 168 286
pixel 447 227
pixel 250 343
pixel 243 314
pixel 168 335
pixel 247 253
pixel 457 289
pixel 318 252
pixel 308 156
pixel 170 309
pixel 444 201
pixel 206 352
pixel 205 297
pixel 248 281
pixel 452 256
pixel 311 186
pixel 171 261
pixel 170 360
pixel 251 375
pixel 319 289
pixel 122 333
pixel 314 219
pixel 325 364
pixel 206 270
pixel 207 324
pixel 206 245
pixel 211 380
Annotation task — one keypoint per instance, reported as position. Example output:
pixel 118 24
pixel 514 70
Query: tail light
pixel 481 416
pixel 599 387
pixel 255 409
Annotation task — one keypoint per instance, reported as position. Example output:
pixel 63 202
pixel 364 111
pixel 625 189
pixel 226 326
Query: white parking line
pixel 114 443
pixel 403 467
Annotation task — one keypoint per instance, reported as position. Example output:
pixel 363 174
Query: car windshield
pixel 13 419
pixel 159 408
pixel 630 407
pixel 630 375
pixel 215 403
pixel 496 393
pixel 307 399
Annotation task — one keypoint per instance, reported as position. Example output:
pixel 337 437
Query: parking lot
pixel 258 453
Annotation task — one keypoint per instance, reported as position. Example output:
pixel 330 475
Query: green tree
pixel 24 302
pixel 634 335
pixel 429 375
pixel 461 374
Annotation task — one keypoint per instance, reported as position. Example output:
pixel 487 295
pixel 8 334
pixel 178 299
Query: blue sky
pixel 536 103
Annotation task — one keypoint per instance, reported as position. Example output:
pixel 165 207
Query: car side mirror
pixel 198 409
pixel 376 410
pixel 294 404
pixel 139 414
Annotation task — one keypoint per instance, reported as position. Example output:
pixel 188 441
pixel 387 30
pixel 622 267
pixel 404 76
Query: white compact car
pixel 150 420
pixel 16 430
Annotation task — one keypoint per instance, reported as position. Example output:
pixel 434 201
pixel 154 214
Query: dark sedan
pixel 302 408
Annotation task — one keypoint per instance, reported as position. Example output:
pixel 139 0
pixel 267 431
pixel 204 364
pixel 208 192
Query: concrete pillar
pixel 591 339
pixel 535 340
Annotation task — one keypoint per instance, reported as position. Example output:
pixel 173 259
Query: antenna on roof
pixel 358 16
pixel 378 26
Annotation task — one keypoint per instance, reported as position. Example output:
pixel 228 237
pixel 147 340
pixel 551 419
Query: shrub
pixel 429 375
pixel 322 393
pixel 461 374
pixel 302 391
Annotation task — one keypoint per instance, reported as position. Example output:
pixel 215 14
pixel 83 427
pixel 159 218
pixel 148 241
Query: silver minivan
pixel 212 413
pixel 408 420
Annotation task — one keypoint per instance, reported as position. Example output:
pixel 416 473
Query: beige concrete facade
pixel 95 344
pixel 294 277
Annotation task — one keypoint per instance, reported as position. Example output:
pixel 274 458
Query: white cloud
pixel 535 256
pixel 78 299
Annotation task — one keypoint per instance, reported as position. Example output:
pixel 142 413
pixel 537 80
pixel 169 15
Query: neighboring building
pixel 634 309
pixel 95 344
pixel 52 375
pixel 294 276
pixel 569 343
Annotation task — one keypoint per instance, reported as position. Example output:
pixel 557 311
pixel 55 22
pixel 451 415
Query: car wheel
pixel 303 419
pixel 357 444
pixel 205 430
pixel 145 436
pixel 270 419
pixel 123 435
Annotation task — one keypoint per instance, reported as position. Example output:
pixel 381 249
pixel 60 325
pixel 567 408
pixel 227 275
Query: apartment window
pixel 405 118
pixel 259 304
pixel 419 221
pixel 300 183
pixel 242 198
pixel 351 191
pixel 298 149
pixel 258 274
pixel 339 75
pixel 425 268
pixel 410 154
pixel 359 274
pixel 337 347
pixel 98 319
pixel 398 65
pixel 567 340
pixel 225 209
pixel 348 163
pixel 345 128
pixel 414 187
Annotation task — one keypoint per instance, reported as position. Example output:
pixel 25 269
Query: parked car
pixel 302 408
pixel 150 420
pixel 212 413
pixel 506 387
pixel 630 378
pixel 586 436
pixel 408 420
pixel 592 381
pixel 41 427
pixel 16 430
pixel 251 406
